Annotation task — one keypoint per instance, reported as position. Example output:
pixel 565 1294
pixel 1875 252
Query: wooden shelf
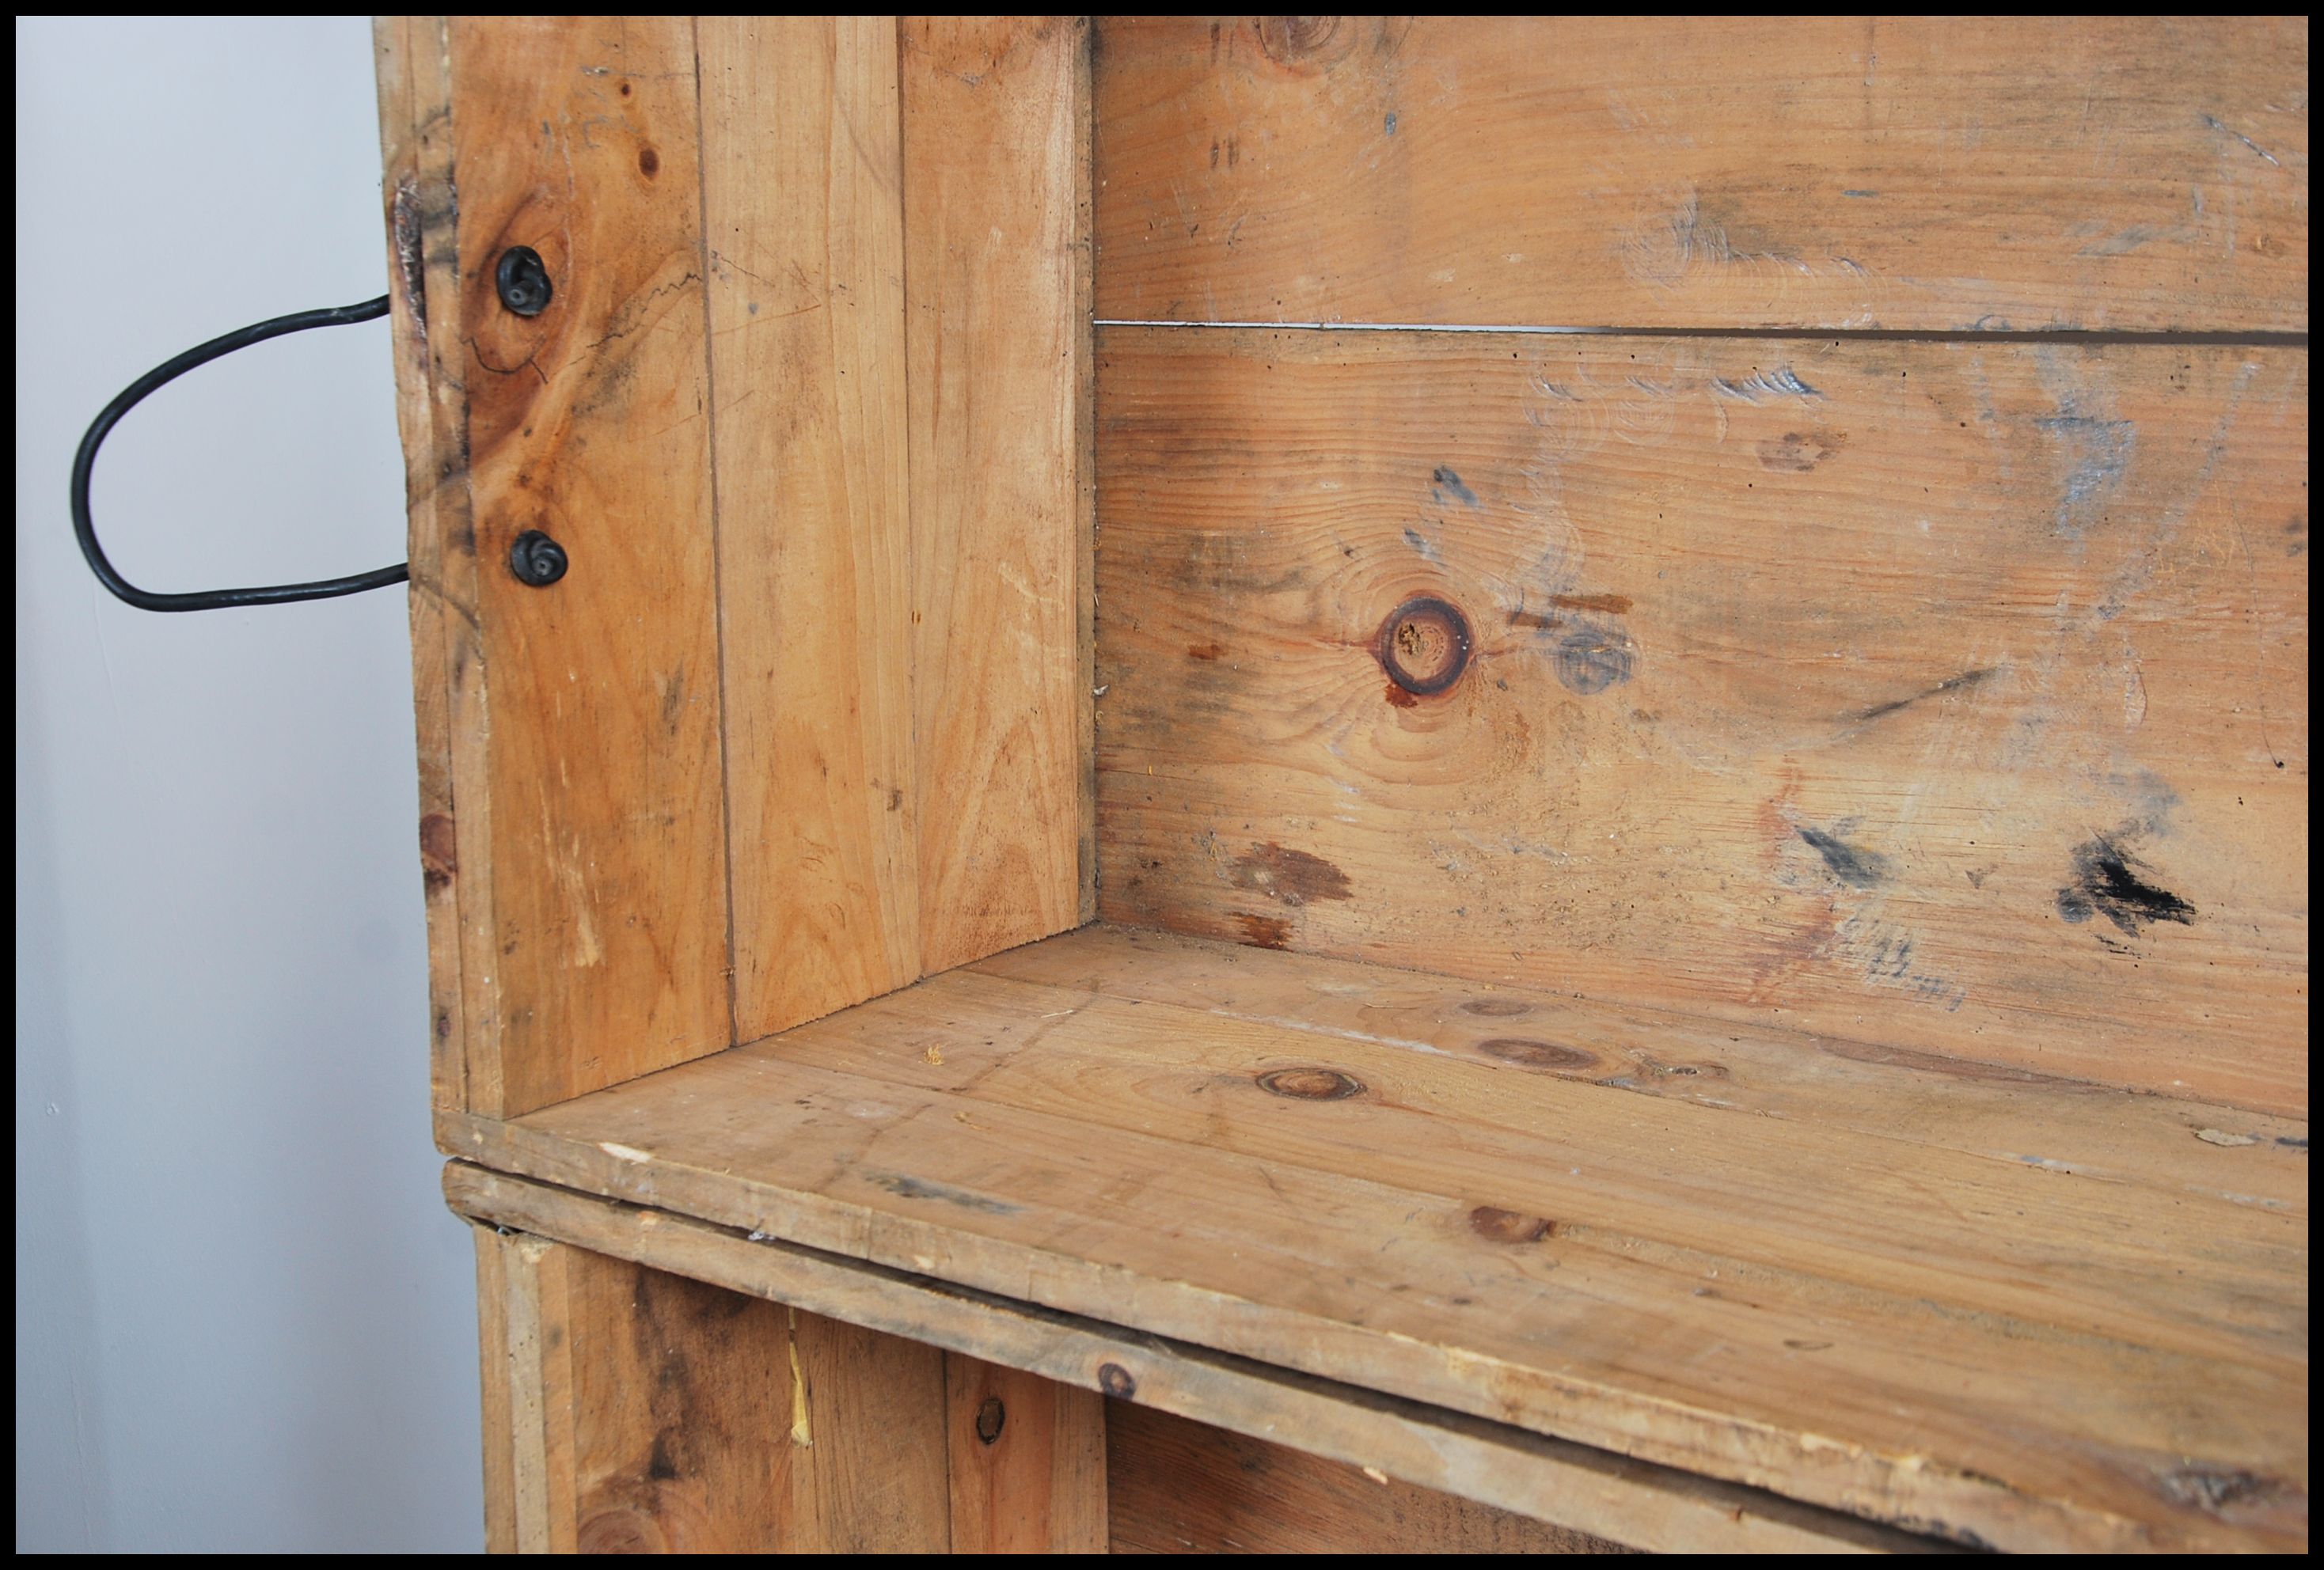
pixel 2011 1310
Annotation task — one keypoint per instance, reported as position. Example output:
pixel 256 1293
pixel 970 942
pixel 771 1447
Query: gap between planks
pixel 2077 336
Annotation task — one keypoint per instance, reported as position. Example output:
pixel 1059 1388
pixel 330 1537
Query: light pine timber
pixel 447 672
pixel 1946 695
pixel 1917 174
pixel 1582 1488
pixel 1946 1335
pixel 1181 1487
pixel 995 291
pixel 627 1409
pixel 1027 1461
pixel 585 834
pixel 803 207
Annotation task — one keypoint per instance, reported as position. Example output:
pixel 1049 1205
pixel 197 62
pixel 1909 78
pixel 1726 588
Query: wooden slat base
pixel 2053 1315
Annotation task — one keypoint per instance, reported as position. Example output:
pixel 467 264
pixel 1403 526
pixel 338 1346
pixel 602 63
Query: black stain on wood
pixel 1851 864
pixel 661 1465
pixel 1311 1083
pixel 1949 685
pixel 1423 645
pixel 2107 883
pixel 1116 1381
pixel 1445 484
pixel 1264 932
pixel 1291 877
pixel 1495 1225
pixel 1593 656
pixel 1527 1053
pixel 919 1188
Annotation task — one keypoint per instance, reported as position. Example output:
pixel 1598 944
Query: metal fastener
pixel 523 280
pixel 537 559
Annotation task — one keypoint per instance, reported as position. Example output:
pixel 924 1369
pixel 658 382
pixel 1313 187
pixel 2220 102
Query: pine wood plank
pixel 495 1360
pixel 995 256
pixel 803 206
pixel 1027 1461
pixel 1950 1341
pixel 448 671
pixel 1179 1487
pixel 1944 694
pixel 598 715
pixel 1914 173
pixel 1587 1490
pixel 867 1446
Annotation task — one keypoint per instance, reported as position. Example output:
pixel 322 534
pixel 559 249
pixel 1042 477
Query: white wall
pixel 244 1317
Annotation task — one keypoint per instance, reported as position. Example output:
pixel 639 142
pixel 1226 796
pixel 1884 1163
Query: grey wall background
pixel 243 1318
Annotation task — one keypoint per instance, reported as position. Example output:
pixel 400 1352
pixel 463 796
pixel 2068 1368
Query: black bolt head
pixel 523 280
pixel 537 559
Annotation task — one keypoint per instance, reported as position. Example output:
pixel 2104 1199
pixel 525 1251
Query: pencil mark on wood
pixel 1949 685
pixel 1851 864
pixel 2106 882
pixel 908 1188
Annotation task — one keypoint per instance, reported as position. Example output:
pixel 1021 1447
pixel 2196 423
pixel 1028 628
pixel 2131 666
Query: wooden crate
pixel 1331 782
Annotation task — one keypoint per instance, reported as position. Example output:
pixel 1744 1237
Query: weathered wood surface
pixel 810 711
pixel 803 203
pixel 996 150
pixel 1027 1461
pixel 627 1409
pixel 1181 1487
pixel 1959 1335
pixel 2005 173
pixel 1946 696
pixel 1585 1489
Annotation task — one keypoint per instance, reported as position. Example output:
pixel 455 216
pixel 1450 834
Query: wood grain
pixel 1945 696
pixel 1178 1487
pixel 1983 1343
pixel 447 669
pixel 1592 1491
pixel 579 138
pixel 995 260
pixel 1027 1461
pixel 628 1410
pixel 1913 173
pixel 803 206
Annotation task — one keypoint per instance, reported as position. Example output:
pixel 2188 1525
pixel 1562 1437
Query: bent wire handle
pixel 169 371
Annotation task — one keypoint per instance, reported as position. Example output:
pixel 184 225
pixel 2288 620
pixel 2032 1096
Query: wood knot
pixel 1424 645
pixel 1310 1084
pixel 1495 1225
pixel 1292 41
pixel 1532 1054
pixel 1497 1008
pixel 991 1419
pixel 1115 1380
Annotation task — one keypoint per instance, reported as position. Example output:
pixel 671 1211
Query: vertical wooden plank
pixel 1027 1459
pixel 996 338
pixel 803 207
pixel 577 137
pixel 447 668
pixel 493 1360
pixel 866 1441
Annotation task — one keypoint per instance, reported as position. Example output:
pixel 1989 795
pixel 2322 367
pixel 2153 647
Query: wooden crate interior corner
pixel 1158 803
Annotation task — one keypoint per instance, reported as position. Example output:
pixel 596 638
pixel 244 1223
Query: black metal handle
pixel 169 371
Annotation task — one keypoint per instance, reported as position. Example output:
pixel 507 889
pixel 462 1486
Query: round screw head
pixel 537 559
pixel 523 280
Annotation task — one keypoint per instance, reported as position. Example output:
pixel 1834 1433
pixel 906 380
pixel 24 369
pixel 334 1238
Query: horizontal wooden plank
pixel 1181 1487
pixel 2004 173
pixel 1549 1478
pixel 1944 695
pixel 1994 1349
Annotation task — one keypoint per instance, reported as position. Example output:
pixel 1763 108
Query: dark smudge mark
pixel 918 1189
pixel 2292 1141
pixel 1311 1083
pixel 1533 1054
pixel 1949 685
pixel 1612 604
pixel 1800 451
pixel 1852 865
pixel 1533 619
pixel 2105 884
pixel 1265 931
pixel 2214 1488
pixel 439 850
pixel 1593 657
pixel 659 1464
pixel 1497 1008
pixel 1294 877
pixel 1498 1226
pixel 1807 1345
pixel 1447 483
pixel 1205 650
